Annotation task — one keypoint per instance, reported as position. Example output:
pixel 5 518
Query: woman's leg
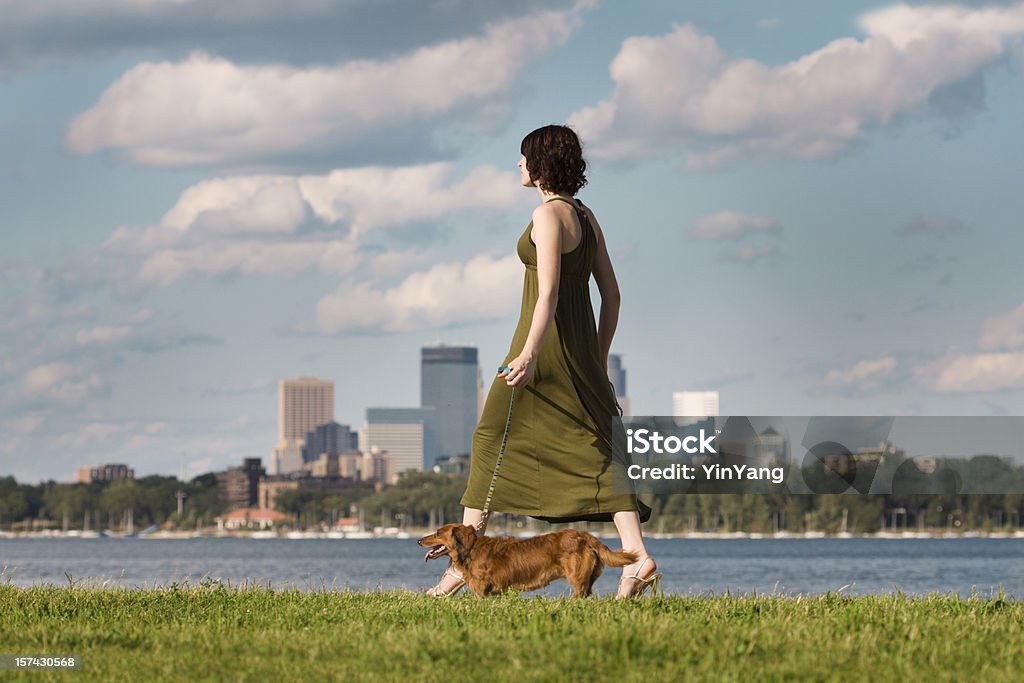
pixel 472 517
pixel 627 522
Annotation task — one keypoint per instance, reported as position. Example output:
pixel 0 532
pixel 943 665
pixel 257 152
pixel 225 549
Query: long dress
pixel 557 464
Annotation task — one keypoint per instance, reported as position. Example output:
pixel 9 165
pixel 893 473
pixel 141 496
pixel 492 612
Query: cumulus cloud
pixel 206 109
pixel 864 375
pixel 997 364
pixel 255 225
pixel 1003 332
pixel 958 372
pixel 63 382
pixel 733 225
pixel 445 295
pixel 683 90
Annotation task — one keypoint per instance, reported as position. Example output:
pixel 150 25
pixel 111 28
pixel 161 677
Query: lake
pixel 689 566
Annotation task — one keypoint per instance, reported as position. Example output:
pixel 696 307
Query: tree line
pixel 421 499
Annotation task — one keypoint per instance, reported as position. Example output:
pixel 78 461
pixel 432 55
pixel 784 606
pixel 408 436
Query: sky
pixel 812 208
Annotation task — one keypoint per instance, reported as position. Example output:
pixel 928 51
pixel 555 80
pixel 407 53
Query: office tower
pixel 407 435
pixel 617 375
pixel 331 439
pixel 239 486
pixel 303 405
pixel 694 405
pixel 450 384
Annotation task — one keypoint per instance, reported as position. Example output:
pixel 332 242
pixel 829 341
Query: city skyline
pixel 810 207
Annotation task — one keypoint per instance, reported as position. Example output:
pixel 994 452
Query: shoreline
pixel 414 534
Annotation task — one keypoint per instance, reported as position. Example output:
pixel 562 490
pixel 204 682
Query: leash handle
pixel 497 463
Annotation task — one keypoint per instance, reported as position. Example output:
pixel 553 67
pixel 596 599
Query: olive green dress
pixel 557 464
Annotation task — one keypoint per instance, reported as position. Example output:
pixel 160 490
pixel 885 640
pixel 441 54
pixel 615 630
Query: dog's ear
pixel 463 538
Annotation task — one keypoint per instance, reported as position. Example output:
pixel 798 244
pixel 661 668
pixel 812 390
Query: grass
pixel 216 632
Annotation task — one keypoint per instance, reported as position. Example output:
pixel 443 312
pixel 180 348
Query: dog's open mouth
pixel 435 552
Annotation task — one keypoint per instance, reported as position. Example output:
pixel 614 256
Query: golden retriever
pixel 491 564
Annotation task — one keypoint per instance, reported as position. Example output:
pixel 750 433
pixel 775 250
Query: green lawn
pixel 212 632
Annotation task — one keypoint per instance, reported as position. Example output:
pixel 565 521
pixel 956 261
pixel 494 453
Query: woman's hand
pixel 520 370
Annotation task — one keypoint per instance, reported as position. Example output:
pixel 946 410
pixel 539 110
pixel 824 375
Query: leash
pixel 497 463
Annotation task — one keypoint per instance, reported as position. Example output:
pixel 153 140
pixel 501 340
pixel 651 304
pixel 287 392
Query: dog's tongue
pixel 426 558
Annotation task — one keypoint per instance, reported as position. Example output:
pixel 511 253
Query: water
pixel 689 566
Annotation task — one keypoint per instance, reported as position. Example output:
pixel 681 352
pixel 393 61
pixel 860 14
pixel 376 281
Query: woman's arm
pixel 608 286
pixel 547 235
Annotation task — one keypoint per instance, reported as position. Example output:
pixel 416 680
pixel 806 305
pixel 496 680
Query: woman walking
pixel 557 464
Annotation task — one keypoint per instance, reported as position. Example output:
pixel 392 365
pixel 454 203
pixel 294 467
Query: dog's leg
pixel 579 572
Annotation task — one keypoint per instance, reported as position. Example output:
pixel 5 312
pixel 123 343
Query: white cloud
pixel 251 224
pixel 250 258
pixel 239 205
pixel 733 225
pixel 958 372
pixel 103 334
pixel 376 197
pixel 681 89
pixel 62 382
pixel 1004 332
pixel 391 263
pixel 446 294
pixel 998 365
pixel 864 374
pixel 208 110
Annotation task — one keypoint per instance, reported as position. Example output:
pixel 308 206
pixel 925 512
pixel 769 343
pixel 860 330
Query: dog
pixel 492 564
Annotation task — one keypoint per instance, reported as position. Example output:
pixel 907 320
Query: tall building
pixel 407 435
pixel 617 375
pixel 450 384
pixel 331 439
pixel 303 404
pixel 694 405
pixel 239 486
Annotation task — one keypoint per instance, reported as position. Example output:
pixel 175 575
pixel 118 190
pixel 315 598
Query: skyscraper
pixel 330 439
pixel 303 405
pixel 450 384
pixel 694 405
pixel 406 434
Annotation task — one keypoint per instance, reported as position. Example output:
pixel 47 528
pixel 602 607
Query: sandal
pixel 436 592
pixel 640 587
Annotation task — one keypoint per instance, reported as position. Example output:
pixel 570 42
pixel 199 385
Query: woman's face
pixel 524 175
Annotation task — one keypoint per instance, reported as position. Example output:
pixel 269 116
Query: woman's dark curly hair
pixel 554 159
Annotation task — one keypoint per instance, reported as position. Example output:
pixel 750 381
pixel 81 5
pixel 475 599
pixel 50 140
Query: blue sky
pixel 812 208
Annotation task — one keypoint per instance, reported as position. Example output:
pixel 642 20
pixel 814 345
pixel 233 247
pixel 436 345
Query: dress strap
pixel 576 204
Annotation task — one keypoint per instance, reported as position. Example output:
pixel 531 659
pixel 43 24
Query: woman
pixel 557 460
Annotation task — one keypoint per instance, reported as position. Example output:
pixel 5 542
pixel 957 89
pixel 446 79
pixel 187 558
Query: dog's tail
pixel 613 558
